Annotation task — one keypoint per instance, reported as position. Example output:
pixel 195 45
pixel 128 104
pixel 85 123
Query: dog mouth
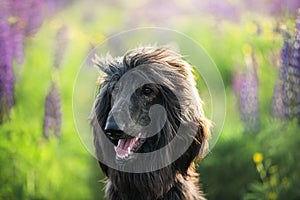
pixel 126 147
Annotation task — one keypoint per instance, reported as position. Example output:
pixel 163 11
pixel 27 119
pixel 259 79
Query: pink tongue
pixel 122 147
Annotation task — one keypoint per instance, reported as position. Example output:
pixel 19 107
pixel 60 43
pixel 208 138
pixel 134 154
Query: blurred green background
pixel 257 155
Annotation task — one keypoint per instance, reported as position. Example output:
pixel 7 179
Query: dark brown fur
pixel 179 179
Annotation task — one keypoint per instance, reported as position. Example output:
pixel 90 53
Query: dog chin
pixel 123 161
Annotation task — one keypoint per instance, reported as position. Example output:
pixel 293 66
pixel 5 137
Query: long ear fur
pixel 197 149
pixel 99 115
pixel 204 135
pixel 102 106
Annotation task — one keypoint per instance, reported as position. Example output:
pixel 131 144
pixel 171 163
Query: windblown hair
pixel 179 97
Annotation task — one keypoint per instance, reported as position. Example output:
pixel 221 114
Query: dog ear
pixel 98 118
pixel 202 137
pixel 198 148
pixel 102 105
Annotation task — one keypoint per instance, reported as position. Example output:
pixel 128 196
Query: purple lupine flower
pixel 276 7
pixel 34 16
pixel 246 87
pixel 285 54
pixel 237 82
pixel 284 75
pixel 15 16
pixel 62 41
pixel 6 71
pixel 18 15
pixel 52 117
pixel 295 64
pixel 28 14
pixel 277 103
pixel 290 74
pixel 26 19
pixel 18 40
pixel 297 27
pixel 54 6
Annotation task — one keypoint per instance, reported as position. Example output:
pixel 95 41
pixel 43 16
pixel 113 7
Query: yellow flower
pixel 12 19
pixel 273 181
pixel 273 169
pixel 272 196
pixel 258 157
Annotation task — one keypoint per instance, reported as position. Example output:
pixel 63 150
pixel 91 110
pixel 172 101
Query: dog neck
pixel 162 184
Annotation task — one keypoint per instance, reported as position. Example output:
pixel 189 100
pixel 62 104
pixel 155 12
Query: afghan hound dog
pixel 149 126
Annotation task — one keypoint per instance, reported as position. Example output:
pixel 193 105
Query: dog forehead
pixel 137 76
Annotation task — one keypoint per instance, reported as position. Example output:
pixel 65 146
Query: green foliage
pixel 229 172
pixel 32 167
pixel 226 172
pixel 279 178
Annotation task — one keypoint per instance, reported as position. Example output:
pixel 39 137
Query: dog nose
pixel 112 129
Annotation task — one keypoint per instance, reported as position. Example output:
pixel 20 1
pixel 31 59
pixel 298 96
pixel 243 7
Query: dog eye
pixel 147 90
pixel 116 89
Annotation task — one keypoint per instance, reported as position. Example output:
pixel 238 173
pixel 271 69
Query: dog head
pixel 145 98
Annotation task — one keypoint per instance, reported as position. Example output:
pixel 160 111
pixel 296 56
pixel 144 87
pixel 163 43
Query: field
pixel 45 155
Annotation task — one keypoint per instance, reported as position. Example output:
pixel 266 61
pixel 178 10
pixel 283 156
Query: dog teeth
pixel 128 150
pixel 137 137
